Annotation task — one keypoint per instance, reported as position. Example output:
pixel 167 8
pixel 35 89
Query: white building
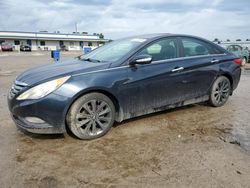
pixel 51 41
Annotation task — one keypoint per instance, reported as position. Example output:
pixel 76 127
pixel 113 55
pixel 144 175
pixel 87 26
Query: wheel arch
pixel 247 58
pixel 119 110
pixel 230 78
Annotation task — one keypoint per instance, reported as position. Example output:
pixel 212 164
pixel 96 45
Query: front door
pixel 157 84
pixel 61 43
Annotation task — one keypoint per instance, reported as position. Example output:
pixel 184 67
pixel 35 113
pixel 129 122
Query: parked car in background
pixel 123 79
pixel 7 47
pixel 63 48
pixel 240 52
pixel 25 47
pixel 249 53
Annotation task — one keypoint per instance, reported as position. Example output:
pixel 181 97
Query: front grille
pixel 16 88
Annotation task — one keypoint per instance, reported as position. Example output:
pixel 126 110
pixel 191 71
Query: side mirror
pixel 141 59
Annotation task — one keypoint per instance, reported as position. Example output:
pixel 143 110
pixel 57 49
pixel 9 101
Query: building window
pixel 17 42
pixel 89 43
pixel 2 41
pixel 42 43
pixel 71 44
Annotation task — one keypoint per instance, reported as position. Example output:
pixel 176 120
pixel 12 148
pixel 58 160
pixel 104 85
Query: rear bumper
pixel 236 77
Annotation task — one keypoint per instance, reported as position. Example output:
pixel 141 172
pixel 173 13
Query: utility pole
pixel 76 26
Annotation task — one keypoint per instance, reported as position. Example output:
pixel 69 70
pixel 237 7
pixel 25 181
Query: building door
pixel 29 42
pixel 81 44
pixel 61 43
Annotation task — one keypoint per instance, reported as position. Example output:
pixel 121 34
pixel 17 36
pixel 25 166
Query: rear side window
pixel 195 47
pixel 161 50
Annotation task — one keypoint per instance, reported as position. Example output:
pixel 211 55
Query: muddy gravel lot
pixel 193 146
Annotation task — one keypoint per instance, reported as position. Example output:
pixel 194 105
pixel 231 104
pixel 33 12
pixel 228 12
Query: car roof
pixel 148 36
pixel 160 35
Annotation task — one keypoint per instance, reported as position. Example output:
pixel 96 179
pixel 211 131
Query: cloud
pixel 115 18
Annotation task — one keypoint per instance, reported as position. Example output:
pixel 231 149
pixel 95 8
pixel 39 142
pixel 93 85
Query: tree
pixel 228 40
pixel 216 40
pixel 238 40
pixel 248 40
pixel 101 36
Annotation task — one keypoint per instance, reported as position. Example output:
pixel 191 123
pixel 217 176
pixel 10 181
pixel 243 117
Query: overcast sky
pixel 118 18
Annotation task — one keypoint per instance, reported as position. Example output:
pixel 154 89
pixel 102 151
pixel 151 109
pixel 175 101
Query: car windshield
pixel 113 51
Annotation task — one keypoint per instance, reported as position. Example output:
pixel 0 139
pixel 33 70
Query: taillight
pixel 237 61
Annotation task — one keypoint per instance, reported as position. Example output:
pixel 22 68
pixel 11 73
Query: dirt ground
pixel 194 146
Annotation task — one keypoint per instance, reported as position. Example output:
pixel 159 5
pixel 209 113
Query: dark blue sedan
pixel 121 80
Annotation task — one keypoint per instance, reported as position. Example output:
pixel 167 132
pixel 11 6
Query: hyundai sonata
pixel 120 80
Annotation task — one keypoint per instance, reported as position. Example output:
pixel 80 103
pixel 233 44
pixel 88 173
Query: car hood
pixel 50 71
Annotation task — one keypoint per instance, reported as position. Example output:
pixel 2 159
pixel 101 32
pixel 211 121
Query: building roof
pixel 48 36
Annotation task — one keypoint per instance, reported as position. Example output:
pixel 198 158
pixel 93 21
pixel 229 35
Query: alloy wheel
pixel 222 91
pixel 93 117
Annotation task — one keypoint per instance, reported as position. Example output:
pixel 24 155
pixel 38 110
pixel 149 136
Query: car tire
pixel 91 116
pixel 243 61
pixel 220 91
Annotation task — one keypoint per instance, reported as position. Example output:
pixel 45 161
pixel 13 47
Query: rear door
pixel 200 62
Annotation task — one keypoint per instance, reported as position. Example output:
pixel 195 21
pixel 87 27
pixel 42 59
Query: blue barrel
pixel 55 54
pixel 86 50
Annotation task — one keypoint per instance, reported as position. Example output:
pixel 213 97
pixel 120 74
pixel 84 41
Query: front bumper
pixel 35 128
pixel 52 109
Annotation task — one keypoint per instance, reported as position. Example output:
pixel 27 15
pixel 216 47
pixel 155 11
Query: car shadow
pixel 116 124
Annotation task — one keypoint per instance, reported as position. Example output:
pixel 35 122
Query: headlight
pixel 42 90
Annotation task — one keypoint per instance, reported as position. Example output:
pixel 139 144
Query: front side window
pixel 234 48
pixel 230 48
pixel 194 47
pixel 238 48
pixel 161 50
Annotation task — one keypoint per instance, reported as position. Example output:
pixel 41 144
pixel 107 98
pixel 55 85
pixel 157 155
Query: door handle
pixel 215 61
pixel 177 69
